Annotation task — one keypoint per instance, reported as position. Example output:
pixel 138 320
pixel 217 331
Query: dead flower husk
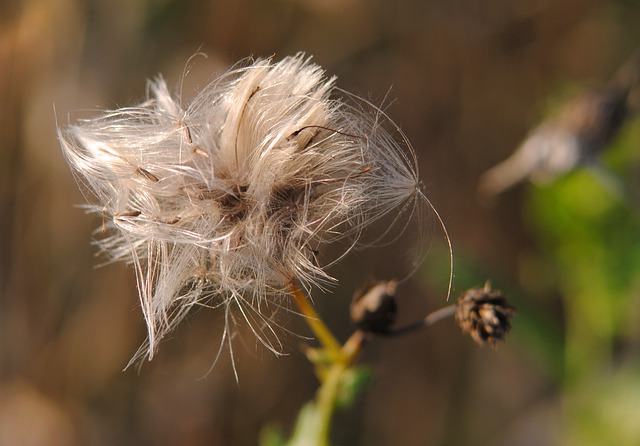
pixel 484 314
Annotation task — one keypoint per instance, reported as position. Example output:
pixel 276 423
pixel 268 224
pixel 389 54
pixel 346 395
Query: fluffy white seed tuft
pixel 228 201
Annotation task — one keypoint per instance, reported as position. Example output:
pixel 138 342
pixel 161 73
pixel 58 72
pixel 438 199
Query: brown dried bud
pixel 374 309
pixel 484 314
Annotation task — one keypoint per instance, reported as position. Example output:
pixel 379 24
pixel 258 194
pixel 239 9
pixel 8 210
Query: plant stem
pixel 326 401
pixel 327 340
pixel 428 321
pixel 332 362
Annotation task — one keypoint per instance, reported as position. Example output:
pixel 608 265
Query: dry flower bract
pixel 229 200
pixel 484 314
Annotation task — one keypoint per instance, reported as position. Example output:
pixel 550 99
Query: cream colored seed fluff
pixel 224 203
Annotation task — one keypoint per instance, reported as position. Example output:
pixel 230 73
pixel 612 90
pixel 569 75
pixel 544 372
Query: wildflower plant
pixel 233 202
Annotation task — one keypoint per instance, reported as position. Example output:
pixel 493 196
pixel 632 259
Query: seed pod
pixel 484 314
pixel 374 308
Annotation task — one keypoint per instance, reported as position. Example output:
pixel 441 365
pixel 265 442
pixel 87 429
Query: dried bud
pixel 484 314
pixel 374 309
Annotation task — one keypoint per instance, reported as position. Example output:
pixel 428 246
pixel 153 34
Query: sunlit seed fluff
pixel 228 200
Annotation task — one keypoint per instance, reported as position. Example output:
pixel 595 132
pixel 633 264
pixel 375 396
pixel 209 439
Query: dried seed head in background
pixel 484 314
pixel 228 200
pixel 575 135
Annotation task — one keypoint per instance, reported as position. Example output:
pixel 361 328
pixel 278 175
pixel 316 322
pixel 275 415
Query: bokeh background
pixel 465 80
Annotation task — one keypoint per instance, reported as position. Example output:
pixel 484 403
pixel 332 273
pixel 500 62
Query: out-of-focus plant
pixel 587 225
pixel 590 234
pixel 575 134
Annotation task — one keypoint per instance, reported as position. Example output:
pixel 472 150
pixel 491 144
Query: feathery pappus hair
pixel 225 202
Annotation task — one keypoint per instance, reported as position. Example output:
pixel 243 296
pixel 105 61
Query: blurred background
pixel 466 81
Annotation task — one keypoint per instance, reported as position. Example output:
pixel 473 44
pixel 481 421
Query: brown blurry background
pixel 467 80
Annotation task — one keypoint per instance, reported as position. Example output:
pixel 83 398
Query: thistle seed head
pixel 228 200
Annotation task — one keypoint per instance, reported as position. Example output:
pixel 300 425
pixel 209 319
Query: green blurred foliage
pixel 587 225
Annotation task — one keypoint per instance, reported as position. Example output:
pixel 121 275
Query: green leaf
pixel 352 383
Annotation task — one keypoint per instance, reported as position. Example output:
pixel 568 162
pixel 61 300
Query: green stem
pixel 328 392
pixel 331 361
pixel 326 401
pixel 327 340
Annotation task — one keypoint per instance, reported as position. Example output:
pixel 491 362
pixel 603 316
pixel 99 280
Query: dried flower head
pixel 227 201
pixel 484 314
pixel 374 307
